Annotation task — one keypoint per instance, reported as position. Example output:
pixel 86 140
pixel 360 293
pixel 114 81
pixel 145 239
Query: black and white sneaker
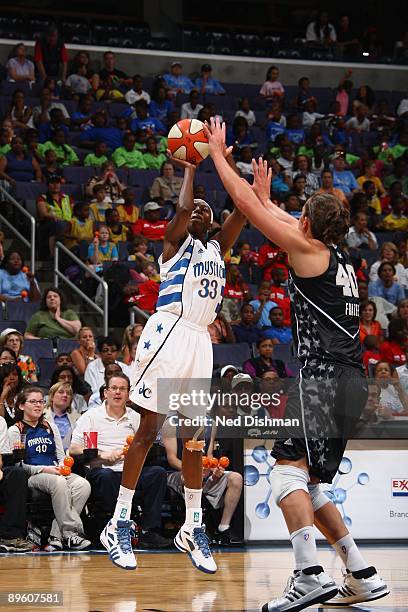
pixel 77 542
pixel 304 588
pixel 358 587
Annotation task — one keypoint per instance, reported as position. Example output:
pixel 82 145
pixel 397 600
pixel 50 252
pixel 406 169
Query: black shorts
pixel 328 400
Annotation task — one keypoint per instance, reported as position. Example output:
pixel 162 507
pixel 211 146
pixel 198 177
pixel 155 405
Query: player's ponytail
pixel 329 219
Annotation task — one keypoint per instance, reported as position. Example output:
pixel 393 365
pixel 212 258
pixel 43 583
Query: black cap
pixel 206 68
pixel 54 178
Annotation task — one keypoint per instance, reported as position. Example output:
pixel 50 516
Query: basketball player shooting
pixel 175 345
pixel 331 390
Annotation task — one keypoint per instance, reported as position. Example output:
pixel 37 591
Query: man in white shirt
pixel 13 495
pixel 97 398
pixel 359 235
pixel 190 110
pixel 108 349
pixel 137 92
pixel 114 422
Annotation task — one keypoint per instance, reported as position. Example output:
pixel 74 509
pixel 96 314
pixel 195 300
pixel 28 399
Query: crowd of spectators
pixel 115 136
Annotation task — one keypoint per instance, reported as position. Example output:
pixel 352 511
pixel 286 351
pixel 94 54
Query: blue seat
pixel 142 178
pixel 46 368
pixel 38 349
pixel 22 311
pixel 66 346
pixel 78 174
pixel 18 325
pixel 293 367
pixel 284 352
pixel 234 354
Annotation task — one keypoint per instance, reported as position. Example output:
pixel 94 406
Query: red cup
pixel 91 439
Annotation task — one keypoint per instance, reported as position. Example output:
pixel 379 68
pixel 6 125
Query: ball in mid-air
pixel 187 141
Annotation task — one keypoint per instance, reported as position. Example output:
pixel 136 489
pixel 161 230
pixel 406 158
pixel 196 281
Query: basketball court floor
pixel 167 582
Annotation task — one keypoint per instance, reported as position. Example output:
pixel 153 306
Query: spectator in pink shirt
pixel 343 93
pixel 272 87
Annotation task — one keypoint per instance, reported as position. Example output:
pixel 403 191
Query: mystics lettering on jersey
pixel 325 313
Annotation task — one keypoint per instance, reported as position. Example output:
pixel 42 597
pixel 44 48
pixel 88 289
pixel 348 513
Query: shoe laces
pixel 75 539
pixel 202 541
pixel 123 535
pixel 290 582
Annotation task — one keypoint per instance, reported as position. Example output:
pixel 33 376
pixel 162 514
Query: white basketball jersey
pixel 193 282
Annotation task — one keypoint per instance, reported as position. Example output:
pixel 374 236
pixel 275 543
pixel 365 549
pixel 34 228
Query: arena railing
pixel 60 275
pixel 5 196
pixel 135 310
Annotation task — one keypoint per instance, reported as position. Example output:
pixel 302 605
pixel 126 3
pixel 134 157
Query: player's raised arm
pixel 176 231
pixel 286 235
pixel 262 189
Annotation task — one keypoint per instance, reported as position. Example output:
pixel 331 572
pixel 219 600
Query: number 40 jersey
pixel 325 313
pixel 193 282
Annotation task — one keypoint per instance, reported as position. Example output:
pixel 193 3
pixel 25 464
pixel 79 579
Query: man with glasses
pixel 114 422
pixel 108 348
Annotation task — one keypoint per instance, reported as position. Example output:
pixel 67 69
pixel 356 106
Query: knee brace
pixel 285 479
pixel 317 497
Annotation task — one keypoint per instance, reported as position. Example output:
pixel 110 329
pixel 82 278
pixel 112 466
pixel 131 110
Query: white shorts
pixel 173 357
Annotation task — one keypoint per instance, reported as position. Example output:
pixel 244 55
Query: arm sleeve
pixel 33 325
pixel 5 448
pixel 70 315
pixel 58 443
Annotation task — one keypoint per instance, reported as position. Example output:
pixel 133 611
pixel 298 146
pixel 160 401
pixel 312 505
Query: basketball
pixel 187 141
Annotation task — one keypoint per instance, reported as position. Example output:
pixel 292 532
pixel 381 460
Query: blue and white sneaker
pixel 116 538
pixel 196 544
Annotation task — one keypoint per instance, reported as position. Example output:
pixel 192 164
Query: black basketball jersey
pixel 325 313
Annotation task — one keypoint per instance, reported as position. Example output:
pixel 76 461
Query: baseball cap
pixel 151 206
pixel 54 178
pixel 206 68
pixel 338 155
pixel 10 330
pixel 241 378
pixel 226 369
pixel 176 64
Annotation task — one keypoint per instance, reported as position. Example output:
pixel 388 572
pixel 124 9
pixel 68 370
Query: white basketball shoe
pixel 116 538
pixel 195 542
pixel 304 588
pixel 357 590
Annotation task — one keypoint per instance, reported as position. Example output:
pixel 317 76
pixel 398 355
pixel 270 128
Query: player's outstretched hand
pixel 215 132
pixel 262 180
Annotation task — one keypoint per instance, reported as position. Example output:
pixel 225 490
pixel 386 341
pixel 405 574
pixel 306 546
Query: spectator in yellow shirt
pixel 370 171
pixel 81 226
pixel 397 220
pixel 118 232
pixel 100 204
pixel 372 197
pixel 128 211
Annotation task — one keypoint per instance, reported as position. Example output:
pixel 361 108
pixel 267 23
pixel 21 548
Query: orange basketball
pixel 187 141
pixel 206 462
pixel 223 462
pixel 69 461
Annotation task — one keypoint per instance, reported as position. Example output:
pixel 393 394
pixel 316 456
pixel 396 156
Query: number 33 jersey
pixel 325 313
pixel 193 282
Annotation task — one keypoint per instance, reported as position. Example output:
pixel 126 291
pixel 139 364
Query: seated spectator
pixel 276 124
pixel 82 58
pixel 246 112
pixel 17 165
pixel 399 175
pixel 190 110
pixel 389 253
pixel 19 113
pixel 41 113
pixel 98 157
pixel 11 383
pixel 263 305
pixel 302 165
pixel 100 204
pixel 59 411
pixel 393 398
pixel 98 397
pixel 54 86
pixel 13 339
pixel 118 231
pixel 69 494
pixel 138 250
pixel 54 209
pixel 77 84
pixel 277 331
pixel 244 164
pixel 294 131
pixel 359 236
pixel 64 359
pixel 153 159
pixel 309 115
pixel 5 140
pixel 128 156
pixel 130 340
pixel 85 353
pixel 111 80
pixel 221 331
pixel 386 287
pixel 343 179
pixel 206 84
pixel 246 330
pixel 365 97
pixel 160 107
pixel 51 167
pixel 80 228
pixel 257 366
pixel 222 488
pixel 321 32
pixel 272 88
pixel 369 326
pixel 370 174
pixel 398 150
pixel 177 82
pixel 359 123
pixel 128 211
pixel 13 497
pixel 101 132
pixel 50 55
pixel 402 310
pixel 151 226
pixel 47 129
pixel 396 221
pixel 66 155
pixel 13 281
pixel 167 186
pixel 240 135
pixel 293 205
pixel 286 156
pixel 235 293
pixel 19 68
pixel 136 92
pixel 54 319
pixel 113 422
pixel 82 117
pixel 7 355
pixel 144 122
pixel 108 349
pixel 371 352
pixel 109 180
pixel 81 389
pixel 373 201
pixel 102 249
pixel 384 308
pixel 298 188
pixel 394 348
pixel 278 293
pixel 271 257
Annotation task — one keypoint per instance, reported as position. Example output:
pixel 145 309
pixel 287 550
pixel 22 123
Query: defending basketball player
pixel 331 391
pixel 175 344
